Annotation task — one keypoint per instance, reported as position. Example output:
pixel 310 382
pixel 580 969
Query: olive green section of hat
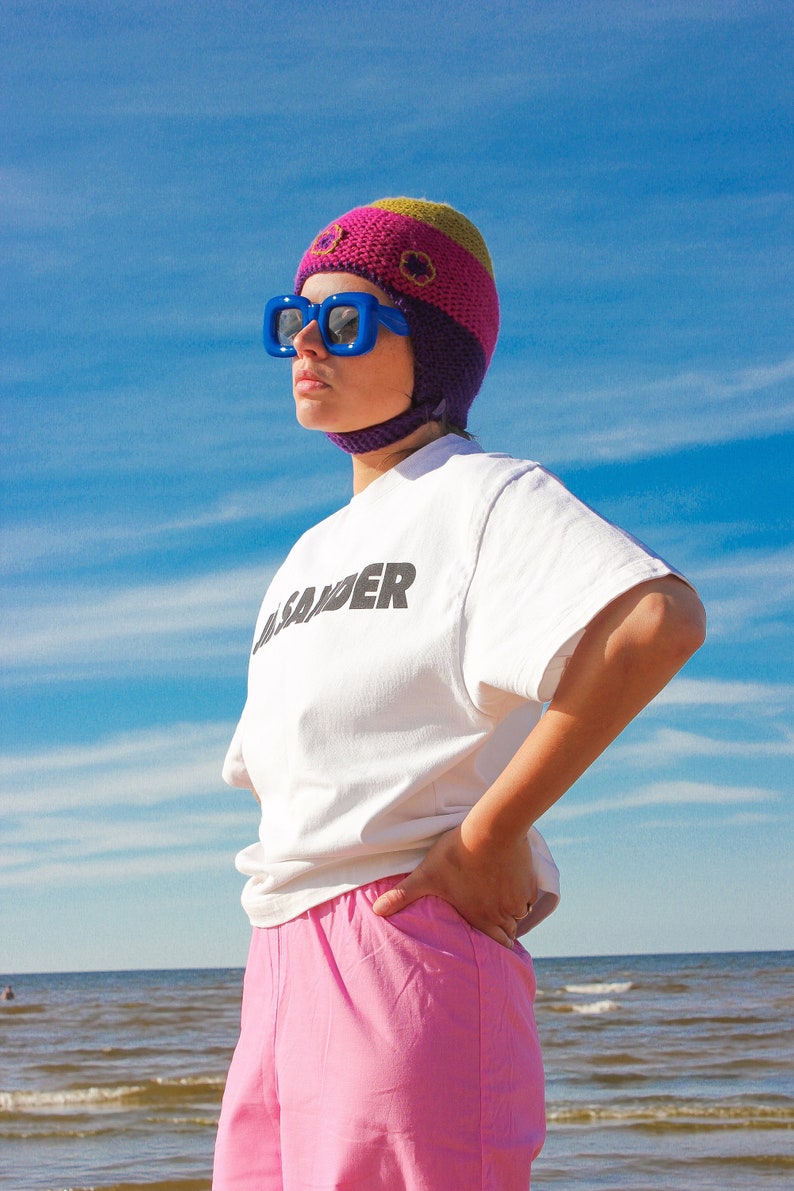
pixel 446 220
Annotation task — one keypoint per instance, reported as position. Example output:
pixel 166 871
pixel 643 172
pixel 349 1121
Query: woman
pixel 393 735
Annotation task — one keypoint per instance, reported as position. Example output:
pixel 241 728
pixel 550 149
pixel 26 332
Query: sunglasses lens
pixel 288 323
pixel 343 324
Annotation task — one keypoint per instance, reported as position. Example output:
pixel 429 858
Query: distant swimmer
pixel 7 994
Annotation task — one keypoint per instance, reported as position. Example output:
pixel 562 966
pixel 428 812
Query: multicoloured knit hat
pixel 434 265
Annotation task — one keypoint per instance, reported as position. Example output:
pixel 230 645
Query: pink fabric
pixel 382 1055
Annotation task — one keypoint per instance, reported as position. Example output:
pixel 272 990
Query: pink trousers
pixel 379 1054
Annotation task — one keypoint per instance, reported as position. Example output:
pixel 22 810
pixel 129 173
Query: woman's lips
pixel 308 382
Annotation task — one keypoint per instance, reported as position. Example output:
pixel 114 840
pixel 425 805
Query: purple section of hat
pixel 449 362
pixel 449 365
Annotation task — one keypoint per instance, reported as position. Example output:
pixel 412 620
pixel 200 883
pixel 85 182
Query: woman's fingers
pixel 483 887
pixel 504 935
pixel 410 889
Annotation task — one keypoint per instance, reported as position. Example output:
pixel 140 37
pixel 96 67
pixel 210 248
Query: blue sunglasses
pixel 348 323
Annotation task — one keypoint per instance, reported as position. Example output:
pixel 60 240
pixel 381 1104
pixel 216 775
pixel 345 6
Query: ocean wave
pixel 594 1008
pixel 36 1130
pixel 586 1008
pixel 67 1099
pixel 603 989
pixel 114 1097
pixel 676 1115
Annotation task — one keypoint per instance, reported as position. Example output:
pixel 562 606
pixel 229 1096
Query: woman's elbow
pixel 679 619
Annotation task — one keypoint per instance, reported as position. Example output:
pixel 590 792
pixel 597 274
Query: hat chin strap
pixel 372 438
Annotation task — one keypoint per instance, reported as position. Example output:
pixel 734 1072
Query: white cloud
pixel 88 540
pixel 714 692
pixel 749 595
pixel 752 819
pixel 668 745
pixel 142 628
pixel 107 872
pixel 132 770
pixel 148 802
pixel 82 833
pixel 753 568
pixel 682 793
pixel 692 408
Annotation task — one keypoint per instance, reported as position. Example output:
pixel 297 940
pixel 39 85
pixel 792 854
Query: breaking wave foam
pixel 616 986
pixel 65 1100
pixel 585 1008
pixel 677 1114
pixel 593 1008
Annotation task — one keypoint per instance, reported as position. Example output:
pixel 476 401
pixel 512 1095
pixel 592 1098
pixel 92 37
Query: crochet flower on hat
pixel 418 267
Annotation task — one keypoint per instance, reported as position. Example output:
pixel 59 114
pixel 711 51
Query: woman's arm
pixel 629 652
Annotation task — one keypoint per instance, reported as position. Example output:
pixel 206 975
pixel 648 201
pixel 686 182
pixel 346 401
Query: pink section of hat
pixel 406 255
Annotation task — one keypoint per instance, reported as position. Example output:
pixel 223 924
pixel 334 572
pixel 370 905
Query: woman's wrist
pixel 492 824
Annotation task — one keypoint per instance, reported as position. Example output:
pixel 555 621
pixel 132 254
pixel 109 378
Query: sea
pixel 666 1071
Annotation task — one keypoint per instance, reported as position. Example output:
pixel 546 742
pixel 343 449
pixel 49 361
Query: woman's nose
pixel 309 341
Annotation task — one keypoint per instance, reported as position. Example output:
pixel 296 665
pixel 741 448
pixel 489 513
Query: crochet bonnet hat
pixel 434 265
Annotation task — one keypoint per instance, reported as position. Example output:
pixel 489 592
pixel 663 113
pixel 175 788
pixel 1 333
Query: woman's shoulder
pixel 457 461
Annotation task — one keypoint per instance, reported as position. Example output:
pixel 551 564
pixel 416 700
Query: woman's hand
pixel 491 885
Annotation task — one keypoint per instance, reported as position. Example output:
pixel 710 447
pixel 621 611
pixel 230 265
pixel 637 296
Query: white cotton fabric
pixel 456 586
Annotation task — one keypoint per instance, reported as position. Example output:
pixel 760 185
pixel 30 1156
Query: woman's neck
pixel 373 464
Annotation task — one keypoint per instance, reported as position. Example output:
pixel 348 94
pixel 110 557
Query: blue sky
pixel 163 167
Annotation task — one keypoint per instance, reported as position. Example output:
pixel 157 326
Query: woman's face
pixel 339 394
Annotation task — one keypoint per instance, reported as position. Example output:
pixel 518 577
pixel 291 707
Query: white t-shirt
pixel 403 651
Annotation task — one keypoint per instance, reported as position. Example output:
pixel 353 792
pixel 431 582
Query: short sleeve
pixel 546 565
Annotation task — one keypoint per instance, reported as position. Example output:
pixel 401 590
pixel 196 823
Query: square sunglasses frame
pixel 371 315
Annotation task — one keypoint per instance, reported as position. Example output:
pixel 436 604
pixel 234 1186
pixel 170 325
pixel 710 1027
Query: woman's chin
pixel 311 417
pixel 326 415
